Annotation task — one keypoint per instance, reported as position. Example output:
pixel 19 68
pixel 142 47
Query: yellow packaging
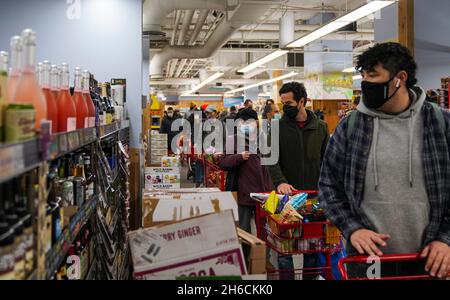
pixel 272 202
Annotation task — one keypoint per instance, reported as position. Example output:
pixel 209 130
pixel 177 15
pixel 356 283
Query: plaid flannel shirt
pixel 342 177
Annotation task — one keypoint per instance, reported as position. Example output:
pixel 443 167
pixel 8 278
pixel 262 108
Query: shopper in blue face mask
pixel 385 176
pixel 245 171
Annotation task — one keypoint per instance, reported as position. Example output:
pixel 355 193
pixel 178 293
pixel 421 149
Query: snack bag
pixel 298 200
pixel 271 203
pixel 289 214
pixel 282 203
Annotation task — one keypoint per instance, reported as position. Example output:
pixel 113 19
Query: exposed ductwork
pixel 245 13
pixel 155 11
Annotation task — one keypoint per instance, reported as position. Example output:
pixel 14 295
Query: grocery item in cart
pixel 271 203
pixel 298 200
pixel 289 214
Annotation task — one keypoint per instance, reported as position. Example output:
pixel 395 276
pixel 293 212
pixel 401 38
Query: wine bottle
pixel 80 102
pixel 28 90
pixel 16 65
pixel 52 109
pixel 88 99
pixel 67 113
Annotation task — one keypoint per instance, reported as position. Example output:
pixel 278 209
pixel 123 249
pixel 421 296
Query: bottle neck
pixel 45 77
pixel 54 82
pixel 29 53
pixel 16 64
pixel 78 83
pixel 86 85
pixel 65 79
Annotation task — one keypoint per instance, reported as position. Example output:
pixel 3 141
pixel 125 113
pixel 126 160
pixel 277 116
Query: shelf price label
pixel 11 160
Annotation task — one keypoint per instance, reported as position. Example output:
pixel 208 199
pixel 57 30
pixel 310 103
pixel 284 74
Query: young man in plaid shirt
pixel 385 177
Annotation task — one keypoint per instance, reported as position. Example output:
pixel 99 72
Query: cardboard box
pixel 162 178
pixel 158 145
pixel 254 251
pixel 160 208
pixel 201 246
pixel 177 192
pixel 158 137
pixel 170 162
pixel 158 153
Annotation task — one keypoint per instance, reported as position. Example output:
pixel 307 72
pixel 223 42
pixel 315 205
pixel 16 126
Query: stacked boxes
pixel 158 148
pixel 162 178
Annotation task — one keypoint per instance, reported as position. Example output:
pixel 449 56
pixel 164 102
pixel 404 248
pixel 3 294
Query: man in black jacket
pixel 303 139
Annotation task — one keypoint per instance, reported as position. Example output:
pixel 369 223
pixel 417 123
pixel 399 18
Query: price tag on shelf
pixel 11 160
pixel 62 142
pixel 73 140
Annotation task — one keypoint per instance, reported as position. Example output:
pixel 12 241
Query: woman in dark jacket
pixel 252 177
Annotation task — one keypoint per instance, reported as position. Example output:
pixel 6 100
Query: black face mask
pixel 290 111
pixel 375 95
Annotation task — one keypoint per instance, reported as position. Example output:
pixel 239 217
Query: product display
pixel 201 141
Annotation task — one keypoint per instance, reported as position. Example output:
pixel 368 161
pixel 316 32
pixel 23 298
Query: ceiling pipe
pixel 200 21
pixel 175 28
pixel 287 29
pixel 244 14
pixel 198 27
pixel 185 27
pixel 155 11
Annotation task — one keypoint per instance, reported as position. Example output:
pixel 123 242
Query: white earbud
pixel 398 83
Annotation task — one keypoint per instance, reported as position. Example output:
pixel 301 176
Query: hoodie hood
pixel 418 98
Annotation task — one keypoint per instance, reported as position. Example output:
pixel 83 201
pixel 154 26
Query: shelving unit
pixel 19 158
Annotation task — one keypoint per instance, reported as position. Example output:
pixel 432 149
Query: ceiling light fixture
pixel 203 83
pixel 263 60
pixel 340 22
pixel 292 74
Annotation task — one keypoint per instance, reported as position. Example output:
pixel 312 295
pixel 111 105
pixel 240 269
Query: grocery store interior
pixel 113 167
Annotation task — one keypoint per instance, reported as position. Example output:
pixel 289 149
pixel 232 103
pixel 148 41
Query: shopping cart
pixel 214 175
pixel 388 258
pixel 299 238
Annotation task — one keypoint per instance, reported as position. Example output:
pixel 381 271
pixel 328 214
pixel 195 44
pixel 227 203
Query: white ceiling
pixel 253 38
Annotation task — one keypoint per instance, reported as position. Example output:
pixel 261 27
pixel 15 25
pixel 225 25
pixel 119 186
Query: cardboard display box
pixel 154 136
pixel 254 251
pixel 159 208
pixel 162 178
pixel 170 162
pixel 201 246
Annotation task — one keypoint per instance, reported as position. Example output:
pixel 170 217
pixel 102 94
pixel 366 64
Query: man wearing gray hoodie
pixel 386 172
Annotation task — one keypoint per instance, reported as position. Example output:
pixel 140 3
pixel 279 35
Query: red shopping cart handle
pixel 383 258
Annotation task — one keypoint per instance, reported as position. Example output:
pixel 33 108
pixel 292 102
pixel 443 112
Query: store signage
pixel 233 101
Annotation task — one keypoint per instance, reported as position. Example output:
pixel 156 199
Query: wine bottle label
pixel 109 118
pixel 71 124
pixel 92 122
pixel 19 122
pixel 7 263
pixel 86 122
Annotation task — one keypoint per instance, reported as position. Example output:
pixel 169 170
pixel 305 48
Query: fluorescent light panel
pixel 262 83
pixel 340 22
pixel 203 83
pixel 263 60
